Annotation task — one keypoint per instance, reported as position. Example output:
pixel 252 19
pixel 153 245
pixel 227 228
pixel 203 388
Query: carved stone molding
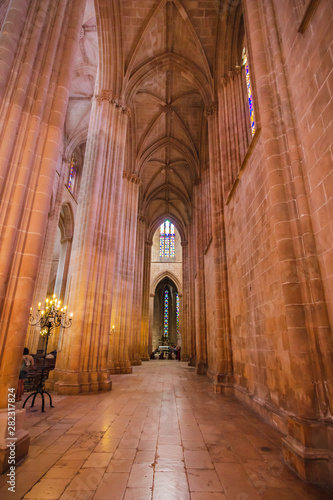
pixel 197 181
pixel 149 243
pixel 108 95
pixel 142 218
pixel 184 243
pixel 130 176
pixel 223 83
pixel 210 110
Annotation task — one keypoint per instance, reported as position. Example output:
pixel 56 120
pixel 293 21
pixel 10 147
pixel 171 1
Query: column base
pixel 136 360
pixel 11 454
pixel 145 357
pixel 191 361
pixel 120 368
pixel 308 450
pixel 222 382
pixel 307 444
pixel 73 383
pixel 201 368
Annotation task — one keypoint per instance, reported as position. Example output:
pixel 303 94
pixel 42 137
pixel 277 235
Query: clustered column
pixel 223 365
pixel 145 340
pixel 123 302
pixel 40 39
pixel 82 365
pixel 136 354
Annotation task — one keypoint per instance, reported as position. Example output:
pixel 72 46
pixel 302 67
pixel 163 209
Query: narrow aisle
pixel 161 434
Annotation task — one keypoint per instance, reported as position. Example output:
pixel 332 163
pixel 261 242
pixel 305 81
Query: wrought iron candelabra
pixel 48 319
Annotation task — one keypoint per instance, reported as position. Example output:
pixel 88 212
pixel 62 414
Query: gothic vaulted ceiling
pixel 169 53
pixel 166 59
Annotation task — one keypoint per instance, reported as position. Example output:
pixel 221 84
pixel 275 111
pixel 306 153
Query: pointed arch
pixel 166 274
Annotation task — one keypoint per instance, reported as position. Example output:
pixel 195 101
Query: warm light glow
pixel 30 308
pixel 47 300
pixel 112 327
pixel 71 314
pixel 65 308
pixel 43 313
pixel 54 296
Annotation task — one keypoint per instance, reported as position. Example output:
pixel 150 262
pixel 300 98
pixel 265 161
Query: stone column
pixel 187 333
pixel 123 302
pixel 145 327
pixel 221 373
pixel 44 268
pixel 136 354
pixel 307 448
pixel 200 324
pixel 33 110
pixel 82 365
pixel 18 19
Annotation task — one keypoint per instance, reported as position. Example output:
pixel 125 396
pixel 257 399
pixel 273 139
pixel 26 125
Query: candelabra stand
pixel 49 319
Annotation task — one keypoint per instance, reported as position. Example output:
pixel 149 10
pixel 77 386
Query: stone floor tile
pixel 237 483
pixel 98 460
pixel 198 460
pixel 173 452
pixel 220 453
pixel 138 494
pixel 141 476
pixel 48 488
pixel 147 456
pixel 169 465
pixel 69 469
pixel 86 479
pixel 206 495
pixel 124 454
pixel 77 454
pixel 203 480
pixel 77 495
pixel 112 487
pixel 171 486
pixel 194 445
pixel 120 466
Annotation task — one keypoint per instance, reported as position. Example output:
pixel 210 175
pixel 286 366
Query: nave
pixel 160 434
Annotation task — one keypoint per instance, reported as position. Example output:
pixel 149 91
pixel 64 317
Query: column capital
pixel 184 243
pixel 197 181
pixel 130 176
pixel 149 243
pixel 108 95
pixel 66 239
pixel 210 110
pixel 142 218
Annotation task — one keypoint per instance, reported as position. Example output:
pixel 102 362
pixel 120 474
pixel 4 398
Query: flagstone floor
pixel 160 434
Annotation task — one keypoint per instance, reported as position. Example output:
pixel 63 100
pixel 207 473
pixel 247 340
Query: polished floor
pixel 161 434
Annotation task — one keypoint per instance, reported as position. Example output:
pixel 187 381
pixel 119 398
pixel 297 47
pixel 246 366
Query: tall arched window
pixel 167 239
pixel 249 90
pixel 72 175
pixel 166 314
pixel 177 314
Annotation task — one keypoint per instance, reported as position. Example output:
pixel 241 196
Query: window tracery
pixel 167 239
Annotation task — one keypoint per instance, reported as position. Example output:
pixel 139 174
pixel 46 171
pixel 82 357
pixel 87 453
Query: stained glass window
pixel 249 91
pixel 166 313
pixel 72 175
pixel 167 239
pixel 177 313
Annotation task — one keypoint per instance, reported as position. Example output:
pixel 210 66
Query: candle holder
pixel 48 319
